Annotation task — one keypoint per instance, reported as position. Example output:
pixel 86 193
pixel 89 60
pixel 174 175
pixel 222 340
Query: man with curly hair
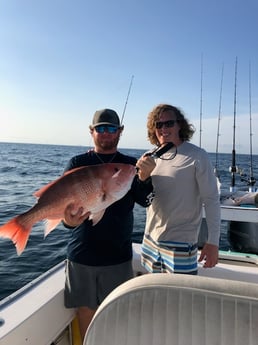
pixel 184 182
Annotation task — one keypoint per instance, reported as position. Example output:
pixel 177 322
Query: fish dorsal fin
pixel 42 190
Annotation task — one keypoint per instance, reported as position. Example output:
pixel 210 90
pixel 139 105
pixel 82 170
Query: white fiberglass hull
pixel 36 314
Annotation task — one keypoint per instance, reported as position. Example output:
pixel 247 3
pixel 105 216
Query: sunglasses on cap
pixel 167 124
pixel 106 128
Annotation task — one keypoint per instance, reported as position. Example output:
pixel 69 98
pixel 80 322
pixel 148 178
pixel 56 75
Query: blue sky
pixel 62 60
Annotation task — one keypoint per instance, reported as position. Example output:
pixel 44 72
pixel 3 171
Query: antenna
pixel 129 90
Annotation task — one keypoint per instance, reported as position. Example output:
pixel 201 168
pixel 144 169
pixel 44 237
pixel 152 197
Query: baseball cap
pixel 105 117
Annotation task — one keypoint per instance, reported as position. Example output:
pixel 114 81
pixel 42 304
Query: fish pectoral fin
pixel 96 217
pixel 50 224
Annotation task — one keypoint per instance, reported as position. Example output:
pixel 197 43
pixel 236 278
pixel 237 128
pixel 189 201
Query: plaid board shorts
pixel 169 257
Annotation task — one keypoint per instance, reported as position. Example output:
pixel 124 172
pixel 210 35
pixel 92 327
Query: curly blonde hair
pixel 186 129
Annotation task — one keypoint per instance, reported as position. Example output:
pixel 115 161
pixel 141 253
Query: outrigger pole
pixel 218 128
pixel 129 90
pixel 233 168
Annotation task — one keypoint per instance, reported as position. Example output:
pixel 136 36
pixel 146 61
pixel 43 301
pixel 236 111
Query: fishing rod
pixel 233 168
pixel 200 143
pixel 126 101
pixel 159 151
pixel 251 180
pixel 218 127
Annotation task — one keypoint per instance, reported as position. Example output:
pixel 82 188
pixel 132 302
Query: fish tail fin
pixel 17 232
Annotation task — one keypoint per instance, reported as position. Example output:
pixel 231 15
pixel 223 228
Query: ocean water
pixel 24 168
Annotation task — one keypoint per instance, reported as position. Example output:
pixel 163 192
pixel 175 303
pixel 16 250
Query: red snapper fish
pixel 93 188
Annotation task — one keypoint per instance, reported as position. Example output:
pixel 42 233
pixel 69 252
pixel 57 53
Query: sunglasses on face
pixel 167 124
pixel 104 128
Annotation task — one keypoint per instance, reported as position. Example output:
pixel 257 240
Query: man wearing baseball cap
pixel 105 117
pixel 99 258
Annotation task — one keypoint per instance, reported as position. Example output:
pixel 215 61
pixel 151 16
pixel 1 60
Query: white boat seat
pixel 169 309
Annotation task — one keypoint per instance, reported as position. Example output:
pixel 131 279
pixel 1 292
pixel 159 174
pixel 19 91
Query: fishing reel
pixel 234 170
pixel 250 180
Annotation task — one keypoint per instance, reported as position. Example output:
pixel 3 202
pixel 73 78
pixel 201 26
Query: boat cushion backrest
pixel 168 309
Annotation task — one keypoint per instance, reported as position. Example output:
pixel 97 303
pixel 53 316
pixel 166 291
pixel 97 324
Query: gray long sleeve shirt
pixel 182 186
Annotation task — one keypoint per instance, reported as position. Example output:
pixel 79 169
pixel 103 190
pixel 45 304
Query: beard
pixel 107 144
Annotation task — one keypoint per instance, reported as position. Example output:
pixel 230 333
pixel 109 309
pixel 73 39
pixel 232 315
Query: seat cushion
pixel 168 309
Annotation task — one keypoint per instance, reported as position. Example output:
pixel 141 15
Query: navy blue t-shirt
pixel 109 241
